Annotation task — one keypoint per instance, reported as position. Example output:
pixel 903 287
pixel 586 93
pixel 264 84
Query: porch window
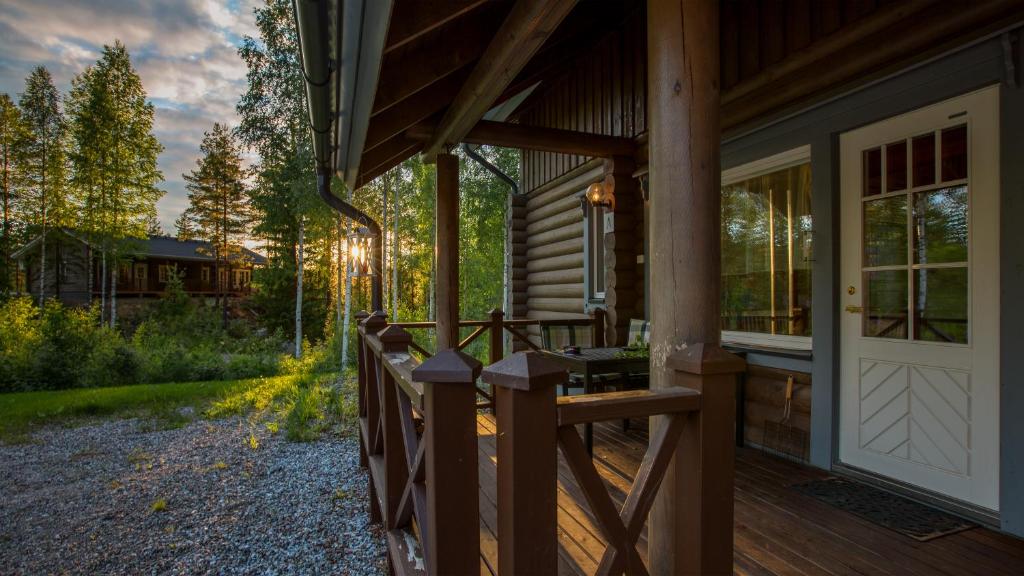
pixel 593 257
pixel 161 272
pixel 766 251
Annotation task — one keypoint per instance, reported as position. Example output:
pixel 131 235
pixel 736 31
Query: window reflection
pixel 766 251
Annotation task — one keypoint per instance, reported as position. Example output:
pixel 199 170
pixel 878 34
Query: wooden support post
pixel 452 531
pixel 527 462
pixel 447 249
pixel 683 115
pixel 597 333
pixel 620 248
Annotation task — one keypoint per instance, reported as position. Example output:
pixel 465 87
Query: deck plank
pixel 778 531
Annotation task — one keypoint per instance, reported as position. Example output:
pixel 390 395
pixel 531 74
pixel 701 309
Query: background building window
pixel 593 257
pixel 766 249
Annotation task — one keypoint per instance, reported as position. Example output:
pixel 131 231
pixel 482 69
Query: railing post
pixel 396 469
pixel 701 476
pixel 371 325
pixel 497 347
pixel 524 385
pixel 597 332
pixel 452 532
pixel 361 380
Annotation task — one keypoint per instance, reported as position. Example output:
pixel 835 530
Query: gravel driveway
pixel 220 497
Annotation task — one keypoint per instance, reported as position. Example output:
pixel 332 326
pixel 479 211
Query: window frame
pixel 781 161
pixel 591 299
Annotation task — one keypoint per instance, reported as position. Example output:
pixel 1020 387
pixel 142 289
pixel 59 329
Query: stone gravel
pixel 213 497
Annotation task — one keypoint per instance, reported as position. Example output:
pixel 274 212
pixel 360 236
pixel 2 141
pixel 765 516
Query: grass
pixel 306 404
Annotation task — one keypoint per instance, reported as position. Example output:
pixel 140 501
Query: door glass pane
pixel 896 166
pixel 885 231
pixel 940 226
pixel 954 153
pixel 885 304
pixel 940 304
pixel 873 172
pixel 924 160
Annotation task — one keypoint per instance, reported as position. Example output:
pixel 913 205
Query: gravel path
pixel 221 497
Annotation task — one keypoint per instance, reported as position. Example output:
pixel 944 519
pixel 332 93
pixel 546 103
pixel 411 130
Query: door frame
pixel 984 104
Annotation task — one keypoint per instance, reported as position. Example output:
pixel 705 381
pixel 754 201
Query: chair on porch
pixel 557 336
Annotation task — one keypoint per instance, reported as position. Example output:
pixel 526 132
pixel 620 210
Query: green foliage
pixel 59 347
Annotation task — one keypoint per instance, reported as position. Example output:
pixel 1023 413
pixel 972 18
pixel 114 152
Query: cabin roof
pixel 412 58
pixel 156 246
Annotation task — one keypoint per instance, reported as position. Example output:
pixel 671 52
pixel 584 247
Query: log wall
pixel 765 390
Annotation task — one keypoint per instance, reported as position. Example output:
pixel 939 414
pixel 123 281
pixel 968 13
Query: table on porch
pixel 592 361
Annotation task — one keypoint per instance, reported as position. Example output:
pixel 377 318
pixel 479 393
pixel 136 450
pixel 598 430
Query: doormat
pixel 920 522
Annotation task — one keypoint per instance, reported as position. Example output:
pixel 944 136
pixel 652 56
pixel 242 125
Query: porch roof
pixel 405 64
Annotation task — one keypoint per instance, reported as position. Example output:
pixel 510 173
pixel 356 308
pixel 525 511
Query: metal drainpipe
pixel 491 168
pixel 323 185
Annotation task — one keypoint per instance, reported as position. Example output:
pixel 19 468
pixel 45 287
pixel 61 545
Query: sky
pixel 184 50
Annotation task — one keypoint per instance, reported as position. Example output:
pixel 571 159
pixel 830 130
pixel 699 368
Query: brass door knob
pixel 851 290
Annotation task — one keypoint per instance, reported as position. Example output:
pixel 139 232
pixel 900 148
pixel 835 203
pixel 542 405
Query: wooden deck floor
pixel 777 530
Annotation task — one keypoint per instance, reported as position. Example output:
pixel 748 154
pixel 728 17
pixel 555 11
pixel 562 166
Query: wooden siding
pixel 602 92
pixel 759 33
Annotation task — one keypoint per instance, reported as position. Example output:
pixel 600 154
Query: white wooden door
pixel 919 372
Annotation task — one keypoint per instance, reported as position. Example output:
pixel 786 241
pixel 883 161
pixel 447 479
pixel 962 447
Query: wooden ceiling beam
pixel 507 135
pixel 417 108
pixel 385 157
pixel 521 35
pixel 414 19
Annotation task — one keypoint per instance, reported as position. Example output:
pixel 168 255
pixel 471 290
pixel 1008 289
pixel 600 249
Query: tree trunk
pixel 339 280
pixel 298 291
pixel 42 262
pixel 113 295
pixel 103 287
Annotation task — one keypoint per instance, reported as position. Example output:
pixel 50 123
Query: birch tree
pixel 43 160
pixel 114 154
pixel 12 134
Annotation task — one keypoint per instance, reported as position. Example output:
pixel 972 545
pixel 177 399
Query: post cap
pixel 394 338
pixel 375 321
pixel 361 315
pixel 448 366
pixel 525 371
pixel 703 358
pixel 497 311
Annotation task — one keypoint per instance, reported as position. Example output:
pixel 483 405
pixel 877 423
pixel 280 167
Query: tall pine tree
pixel 218 210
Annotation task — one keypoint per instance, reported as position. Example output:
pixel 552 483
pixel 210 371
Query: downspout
pixel 320 72
pixel 323 185
pixel 491 168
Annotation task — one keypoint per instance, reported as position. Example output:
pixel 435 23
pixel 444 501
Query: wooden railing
pixel 495 326
pixel 418 438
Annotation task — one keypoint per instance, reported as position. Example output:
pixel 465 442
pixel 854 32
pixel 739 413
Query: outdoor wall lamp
pixel 596 196
pixel 360 251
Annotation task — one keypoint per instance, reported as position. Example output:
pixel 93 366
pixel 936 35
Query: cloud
pixel 184 50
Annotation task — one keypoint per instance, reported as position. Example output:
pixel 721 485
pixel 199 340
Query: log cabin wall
pixel 765 395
